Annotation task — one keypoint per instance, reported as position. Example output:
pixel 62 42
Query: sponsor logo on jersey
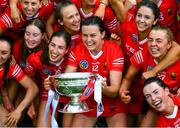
pixel 83 64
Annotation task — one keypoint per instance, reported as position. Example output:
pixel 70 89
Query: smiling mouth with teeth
pixel 157 104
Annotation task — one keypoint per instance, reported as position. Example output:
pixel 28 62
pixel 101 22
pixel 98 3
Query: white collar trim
pixel 96 56
pixel 173 115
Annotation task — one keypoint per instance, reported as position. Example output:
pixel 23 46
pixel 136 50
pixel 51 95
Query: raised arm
pixel 172 56
pixel 15 13
pixel 49 24
pixel 119 9
pixel 100 12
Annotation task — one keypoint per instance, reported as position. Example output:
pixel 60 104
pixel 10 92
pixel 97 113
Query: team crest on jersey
pixel 47 71
pixel 149 67
pixel 173 75
pixel 135 37
pixel 83 64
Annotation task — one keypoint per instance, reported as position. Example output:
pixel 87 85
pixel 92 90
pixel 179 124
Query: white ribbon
pixel 98 95
pixel 52 101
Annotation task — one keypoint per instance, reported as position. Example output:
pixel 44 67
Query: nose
pixel 88 38
pixel 153 43
pixel 142 19
pixel 29 7
pixel 55 50
pixel 76 18
pixel 153 97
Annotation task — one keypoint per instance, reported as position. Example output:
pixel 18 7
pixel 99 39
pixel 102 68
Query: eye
pixel 36 34
pixel 27 33
pixel 150 40
pixel 52 44
pixel 147 96
pixel 33 4
pixel 147 17
pixel 26 3
pixel 93 35
pixel 77 14
pixel 84 35
pixel 61 47
pixel 156 92
pixel 159 41
pixel 139 15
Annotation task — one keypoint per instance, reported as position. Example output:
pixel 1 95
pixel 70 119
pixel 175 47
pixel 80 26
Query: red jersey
pixel 14 72
pixel 75 40
pixel 131 42
pixel 6 21
pixel 110 20
pixel 172 120
pixel 168 11
pixel 34 65
pixel 171 75
pixel 109 59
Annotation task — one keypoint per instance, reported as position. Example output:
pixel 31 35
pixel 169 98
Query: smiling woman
pixel 50 61
pixel 30 9
pixel 157 95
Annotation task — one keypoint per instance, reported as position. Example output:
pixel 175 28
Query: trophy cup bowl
pixel 72 85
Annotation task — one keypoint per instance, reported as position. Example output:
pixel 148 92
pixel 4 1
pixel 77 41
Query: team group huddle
pixel 132 44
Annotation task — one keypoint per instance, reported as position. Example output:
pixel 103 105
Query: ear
pixel 41 4
pixel 166 91
pixel 155 21
pixel 103 34
pixel 169 45
pixel 60 22
pixel 67 50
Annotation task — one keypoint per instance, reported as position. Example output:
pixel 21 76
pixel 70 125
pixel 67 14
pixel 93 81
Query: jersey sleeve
pixel 115 57
pixel 73 58
pixel 110 21
pixel 46 10
pixel 137 59
pixel 5 20
pixel 32 64
pixel 16 72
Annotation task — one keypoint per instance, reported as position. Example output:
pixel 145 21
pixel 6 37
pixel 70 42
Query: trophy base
pixel 75 108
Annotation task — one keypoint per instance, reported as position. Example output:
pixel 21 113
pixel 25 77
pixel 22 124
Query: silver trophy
pixel 72 85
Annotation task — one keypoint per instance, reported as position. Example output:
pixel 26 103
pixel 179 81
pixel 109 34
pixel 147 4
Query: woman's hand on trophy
pixel 49 83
